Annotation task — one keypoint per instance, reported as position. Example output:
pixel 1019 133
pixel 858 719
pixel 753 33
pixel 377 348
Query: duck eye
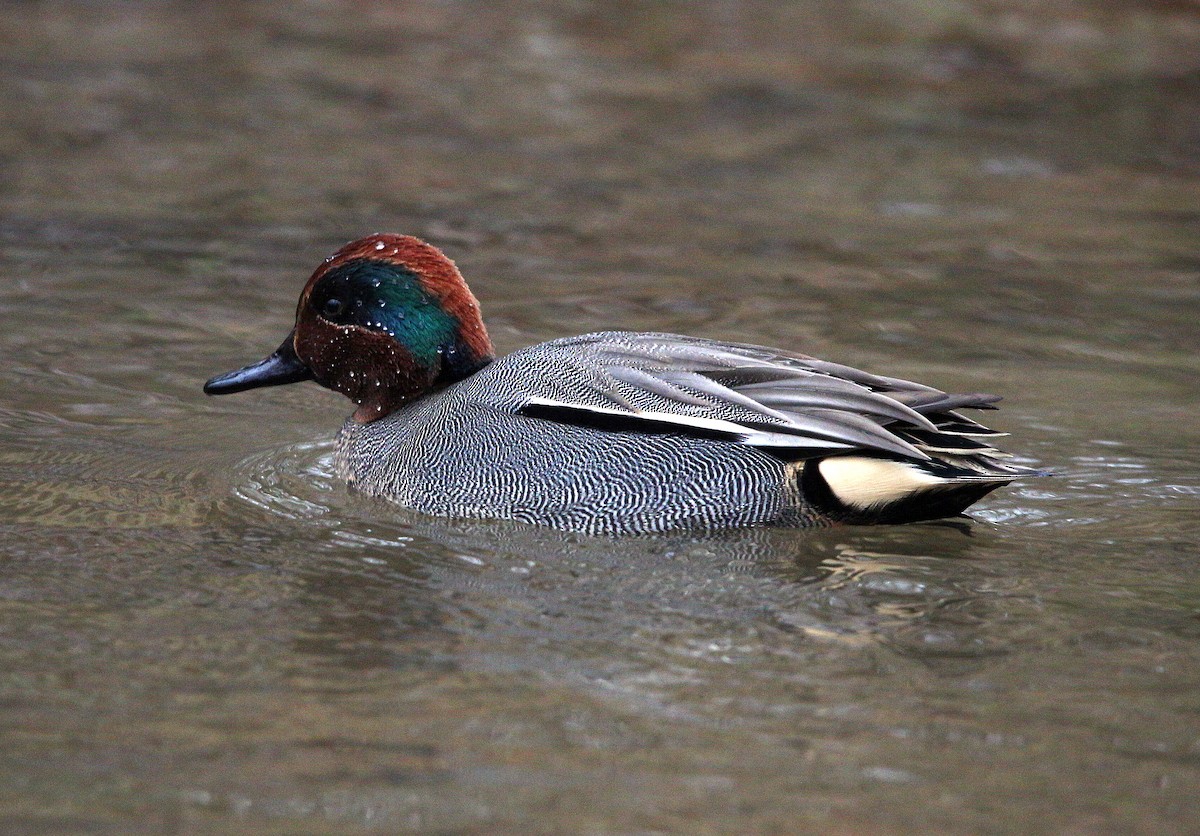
pixel 332 307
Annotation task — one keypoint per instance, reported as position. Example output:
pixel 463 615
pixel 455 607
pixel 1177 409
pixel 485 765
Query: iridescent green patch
pixel 387 297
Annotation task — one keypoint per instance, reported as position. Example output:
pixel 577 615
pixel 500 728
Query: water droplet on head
pixel 379 245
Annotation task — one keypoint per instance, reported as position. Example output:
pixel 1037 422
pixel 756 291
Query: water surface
pixel 201 630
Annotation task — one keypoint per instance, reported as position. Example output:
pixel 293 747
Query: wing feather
pixel 787 403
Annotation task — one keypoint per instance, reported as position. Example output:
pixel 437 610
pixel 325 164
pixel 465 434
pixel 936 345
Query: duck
pixel 613 432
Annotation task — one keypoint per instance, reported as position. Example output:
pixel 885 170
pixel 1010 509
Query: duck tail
pixel 861 489
pixel 958 467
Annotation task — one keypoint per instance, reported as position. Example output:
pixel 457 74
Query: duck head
pixel 385 319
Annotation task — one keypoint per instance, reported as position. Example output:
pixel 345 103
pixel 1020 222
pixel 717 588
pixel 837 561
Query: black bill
pixel 281 367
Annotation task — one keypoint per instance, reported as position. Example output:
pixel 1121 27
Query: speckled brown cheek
pixel 326 350
pixel 369 367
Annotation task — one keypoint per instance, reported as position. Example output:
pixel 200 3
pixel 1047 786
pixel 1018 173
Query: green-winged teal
pixel 614 432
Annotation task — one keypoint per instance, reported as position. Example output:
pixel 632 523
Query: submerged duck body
pixel 613 432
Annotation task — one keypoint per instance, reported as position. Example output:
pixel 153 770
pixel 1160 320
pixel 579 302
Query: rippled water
pixel 201 630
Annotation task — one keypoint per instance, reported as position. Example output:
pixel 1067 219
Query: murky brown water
pixel 200 630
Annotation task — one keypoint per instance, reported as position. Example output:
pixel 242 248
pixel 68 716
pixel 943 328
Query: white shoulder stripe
pixel 742 434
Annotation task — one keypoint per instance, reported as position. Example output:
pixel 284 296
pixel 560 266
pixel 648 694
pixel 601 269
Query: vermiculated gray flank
pixel 620 432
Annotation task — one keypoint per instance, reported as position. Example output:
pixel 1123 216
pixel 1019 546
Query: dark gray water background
pixel 201 631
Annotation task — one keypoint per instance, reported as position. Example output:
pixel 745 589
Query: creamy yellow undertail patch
pixel 860 482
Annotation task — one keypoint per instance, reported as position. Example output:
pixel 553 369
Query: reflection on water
pixel 915 590
pixel 202 630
